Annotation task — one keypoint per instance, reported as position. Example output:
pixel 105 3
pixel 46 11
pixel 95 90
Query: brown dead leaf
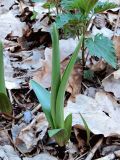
pixel 101 114
pixel 10 24
pixel 116 40
pixel 7 153
pixel 112 83
pixel 27 138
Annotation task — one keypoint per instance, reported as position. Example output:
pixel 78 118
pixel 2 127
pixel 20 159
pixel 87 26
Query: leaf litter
pixel 25 60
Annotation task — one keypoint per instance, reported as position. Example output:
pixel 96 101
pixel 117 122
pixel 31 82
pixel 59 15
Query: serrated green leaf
pixel 103 6
pixel 83 5
pixel 63 84
pixel 5 104
pixel 63 19
pixel 44 98
pixel 102 47
pixel 87 129
pixel 56 77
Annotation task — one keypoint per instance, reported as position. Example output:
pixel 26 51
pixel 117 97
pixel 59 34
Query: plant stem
pixel 2 80
pixel 83 48
pixel 57 6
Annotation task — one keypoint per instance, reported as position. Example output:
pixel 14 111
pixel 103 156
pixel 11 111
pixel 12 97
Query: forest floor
pixel 28 55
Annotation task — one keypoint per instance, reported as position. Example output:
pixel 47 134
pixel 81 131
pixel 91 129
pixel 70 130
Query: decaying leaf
pixel 101 113
pixel 42 156
pixel 116 40
pixel 7 152
pixel 27 139
pixel 112 83
pixel 5 5
pixel 10 24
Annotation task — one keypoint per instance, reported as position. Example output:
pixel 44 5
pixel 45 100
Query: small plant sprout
pixel 75 19
pixel 53 103
pixel 5 104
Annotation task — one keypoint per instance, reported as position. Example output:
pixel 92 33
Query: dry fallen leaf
pixel 101 113
pixel 27 139
pixel 112 83
pixel 7 153
pixel 116 40
pixel 10 24
pixel 42 156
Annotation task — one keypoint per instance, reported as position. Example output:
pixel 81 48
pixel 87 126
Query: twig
pixel 94 149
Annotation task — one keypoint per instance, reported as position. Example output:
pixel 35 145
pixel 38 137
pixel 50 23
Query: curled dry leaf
pixel 27 138
pixel 112 83
pixel 101 113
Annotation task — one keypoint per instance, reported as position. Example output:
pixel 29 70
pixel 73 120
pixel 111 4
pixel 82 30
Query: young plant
pixel 75 19
pixel 5 104
pixel 53 103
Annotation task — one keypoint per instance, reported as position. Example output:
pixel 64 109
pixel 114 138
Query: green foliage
pixel 102 47
pixel 103 6
pixel 87 129
pixel 53 104
pixel 48 5
pixel 34 15
pixel 88 74
pixel 84 6
pixel 5 105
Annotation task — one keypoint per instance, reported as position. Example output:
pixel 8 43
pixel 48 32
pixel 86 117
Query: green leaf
pixel 37 0
pixel 44 98
pixel 88 74
pixel 56 78
pixel 2 79
pixel 53 132
pixel 5 104
pixel 48 5
pixel 103 6
pixel 89 5
pixel 63 19
pixel 87 129
pixel 62 88
pixel 68 127
pixel 83 5
pixel 102 47
pixel 34 15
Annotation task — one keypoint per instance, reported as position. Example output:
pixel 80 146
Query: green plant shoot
pixel 5 105
pixel 53 103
